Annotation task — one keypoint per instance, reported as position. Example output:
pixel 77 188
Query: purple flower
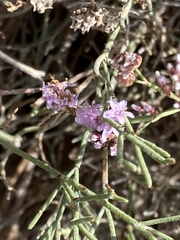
pixel 95 138
pixel 113 150
pixel 58 97
pixel 88 115
pixel 174 72
pixel 118 111
pixel 107 130
pixel 163 82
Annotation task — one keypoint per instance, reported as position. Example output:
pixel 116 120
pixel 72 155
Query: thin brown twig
pixel 37 74
pixel 19 91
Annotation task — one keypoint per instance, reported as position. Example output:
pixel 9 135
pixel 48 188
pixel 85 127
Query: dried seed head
pixel 93 17
pixel 125 64
pixel 41 5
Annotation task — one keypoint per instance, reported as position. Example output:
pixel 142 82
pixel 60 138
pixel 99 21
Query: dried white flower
pixel 41 5
pixel 94 17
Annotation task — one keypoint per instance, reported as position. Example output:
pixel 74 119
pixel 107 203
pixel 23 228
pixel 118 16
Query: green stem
pixel 30 158
pixel 111 225
pixel 120 148
pixel 86 232
pixel 97 220
pixel 124 14
pixel 143 167
pixel 155 87
pixel 44 207
pixel 148 150
pixel 162 220
pixel 81 154
pixel 160 234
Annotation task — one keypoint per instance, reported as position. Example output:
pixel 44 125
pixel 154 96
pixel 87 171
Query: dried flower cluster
pixel 94 17
pixel 41 5
pixel 11 7
pixel 38 5
pixel 125 64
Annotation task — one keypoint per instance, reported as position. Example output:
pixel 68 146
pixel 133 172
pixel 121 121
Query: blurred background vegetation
pixel 46 42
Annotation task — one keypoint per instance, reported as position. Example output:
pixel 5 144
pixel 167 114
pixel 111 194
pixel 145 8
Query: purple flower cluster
pixel 103 132
pixel 89 115
pixel 174 73
pixel 58 97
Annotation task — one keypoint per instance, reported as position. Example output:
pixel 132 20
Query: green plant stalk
pixel 150 8
pixel 60 211
pixel 111 40
pixel 148 150
pixel 75 227
pixel 108 83
pixel 30 158
pixel 83 189
pixel 16 140
pixel 140 119
pixel 161 220
pixel 82 220
pixel 130 233
pixel 118 198
pixel 86 232
pixel 155 147
pixel 98 90
pixel 76 232
pixel 82 149
pixel 94 197
pixel 68 189
pixel 121 214
pixel 129 165
pixel 132 137
pixel 160 234
pixel 88 210
pixel 155 87
pixel 120 148
pixel 166 113
pixel 99 197
pixel 150 119
pixel 111 225
pixel 143 167
pixel 48 233
pixel 105 54
pixel 46 227
pixel 74 207
pixel 124 14
pixel 97 220
pixel 44 207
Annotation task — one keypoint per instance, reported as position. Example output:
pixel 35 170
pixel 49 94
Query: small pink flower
pixel 118 111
